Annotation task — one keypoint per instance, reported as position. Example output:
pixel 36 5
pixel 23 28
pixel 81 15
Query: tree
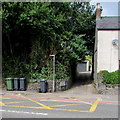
pixel 34 30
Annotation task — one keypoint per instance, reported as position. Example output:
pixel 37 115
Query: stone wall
pixel 34 85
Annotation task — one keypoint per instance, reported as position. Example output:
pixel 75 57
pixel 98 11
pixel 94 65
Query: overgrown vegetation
pixel 32 31
pixel 111 77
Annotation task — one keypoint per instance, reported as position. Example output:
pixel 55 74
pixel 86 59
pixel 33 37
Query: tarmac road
pixel 58 106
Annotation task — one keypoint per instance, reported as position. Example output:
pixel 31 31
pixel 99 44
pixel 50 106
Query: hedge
pixel 111 77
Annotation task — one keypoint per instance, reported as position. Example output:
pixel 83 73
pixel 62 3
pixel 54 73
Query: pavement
pixel 78 91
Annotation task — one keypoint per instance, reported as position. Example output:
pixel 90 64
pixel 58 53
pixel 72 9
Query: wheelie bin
pixel 43 86
pixel 16 83
pixel 22 84
pixel 9 83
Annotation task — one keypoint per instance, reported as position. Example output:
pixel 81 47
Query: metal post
pixel 53 72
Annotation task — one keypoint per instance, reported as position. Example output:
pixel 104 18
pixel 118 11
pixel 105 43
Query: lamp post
pixel 53 72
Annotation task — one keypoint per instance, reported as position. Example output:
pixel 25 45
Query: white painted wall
pixel 107 53
pixel 82 67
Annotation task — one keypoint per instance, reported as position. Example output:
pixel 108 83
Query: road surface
pixel 58 106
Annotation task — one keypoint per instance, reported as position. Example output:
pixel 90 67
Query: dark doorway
pixel 82 77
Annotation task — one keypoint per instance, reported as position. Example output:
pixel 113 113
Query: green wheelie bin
pixel 9 83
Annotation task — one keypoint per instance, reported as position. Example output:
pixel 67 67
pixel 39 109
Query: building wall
pixel 119 45
pixel 107 53
pixel 95 57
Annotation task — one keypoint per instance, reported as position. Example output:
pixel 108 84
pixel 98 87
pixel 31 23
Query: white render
pixel 107 53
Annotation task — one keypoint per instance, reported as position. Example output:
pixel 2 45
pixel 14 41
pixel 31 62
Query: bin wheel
pixel 15 89
pixel 22 89
pixel 9 90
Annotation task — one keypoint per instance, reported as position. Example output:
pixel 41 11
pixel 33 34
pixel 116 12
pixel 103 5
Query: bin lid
pixel 43 80
pixel 9 78
pixel 22 78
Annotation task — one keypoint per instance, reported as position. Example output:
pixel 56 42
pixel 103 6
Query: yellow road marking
pixel 2 104
pixel 46 108
pixel 86 102
pixel 37 102
pixel 76 103
pixel 94 105
pixel 92 109
pixel 64 105
pixel 71 110
pixel 26 107
pixel 11 102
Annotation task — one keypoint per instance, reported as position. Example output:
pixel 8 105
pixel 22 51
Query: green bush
pixel 111 77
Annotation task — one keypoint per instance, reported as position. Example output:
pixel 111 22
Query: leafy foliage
pixel 89 58
pixel 111 78
pixel 34 30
